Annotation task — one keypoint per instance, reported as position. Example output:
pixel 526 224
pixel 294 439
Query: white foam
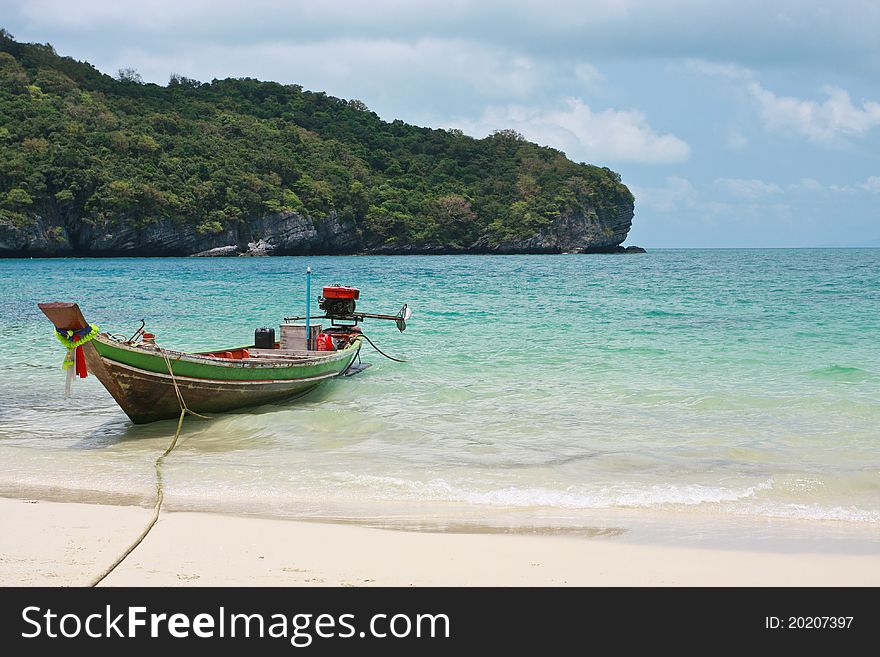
pixel 743 501
pixel 568 498
pixel 811 512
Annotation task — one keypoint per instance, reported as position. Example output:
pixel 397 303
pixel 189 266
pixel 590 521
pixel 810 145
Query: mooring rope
pixel 160 492
pixel 357 356
pixel 396 360
pixel 180 399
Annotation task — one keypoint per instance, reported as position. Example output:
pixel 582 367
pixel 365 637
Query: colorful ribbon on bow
pixel 75 360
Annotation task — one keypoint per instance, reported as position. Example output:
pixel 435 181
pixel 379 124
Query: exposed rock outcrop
pixel 572 232
pixel 38 238
pixel 291 233
pixel 284 233
pixel 158 238
pixel 581 232
pixel 219 252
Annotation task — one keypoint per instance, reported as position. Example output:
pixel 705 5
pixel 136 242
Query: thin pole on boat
pixel 308 304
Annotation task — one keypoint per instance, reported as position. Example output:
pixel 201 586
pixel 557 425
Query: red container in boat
pixel 324 342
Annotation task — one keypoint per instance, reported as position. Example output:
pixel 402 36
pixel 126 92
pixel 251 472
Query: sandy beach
pixel 67 544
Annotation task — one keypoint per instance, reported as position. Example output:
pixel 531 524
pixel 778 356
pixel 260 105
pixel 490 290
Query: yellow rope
pixel 180 399
pixel 160 493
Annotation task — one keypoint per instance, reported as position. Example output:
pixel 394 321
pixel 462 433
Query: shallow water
pixel 542 391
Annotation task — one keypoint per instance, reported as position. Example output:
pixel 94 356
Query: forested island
pixel 92 165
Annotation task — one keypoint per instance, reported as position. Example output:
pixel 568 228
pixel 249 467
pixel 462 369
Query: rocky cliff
pixel 289 233
pixel 283 233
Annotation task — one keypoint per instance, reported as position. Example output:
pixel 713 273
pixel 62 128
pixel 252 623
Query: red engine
pixel 338 300
pixel 337 291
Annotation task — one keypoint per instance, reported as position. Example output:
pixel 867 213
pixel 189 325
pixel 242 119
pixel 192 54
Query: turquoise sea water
pixel 543 391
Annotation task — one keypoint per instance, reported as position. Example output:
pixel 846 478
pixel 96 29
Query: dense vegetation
pixel 75 143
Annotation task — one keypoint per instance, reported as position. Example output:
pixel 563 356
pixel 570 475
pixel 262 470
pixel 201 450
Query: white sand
pixel 55 544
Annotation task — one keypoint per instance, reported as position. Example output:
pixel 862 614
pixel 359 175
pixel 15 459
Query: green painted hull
pixel 204 367
pixel 138 377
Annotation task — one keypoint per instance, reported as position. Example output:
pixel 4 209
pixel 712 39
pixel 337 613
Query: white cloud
pixel 843 189
pixel 807 185
pixel 676 193
pixel 584 134
pixel 872 184
pixel 827 121
pixel 813 186
pixel 833 119
pixel 750 189
pixel 679 194
pixel 589 76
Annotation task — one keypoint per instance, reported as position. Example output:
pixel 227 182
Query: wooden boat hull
pixel 138 376
pixel 148 396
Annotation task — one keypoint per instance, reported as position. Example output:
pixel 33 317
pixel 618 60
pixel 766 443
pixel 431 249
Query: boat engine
pixel 338 301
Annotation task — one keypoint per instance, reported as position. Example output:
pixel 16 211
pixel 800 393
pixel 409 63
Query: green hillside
pixel 77 145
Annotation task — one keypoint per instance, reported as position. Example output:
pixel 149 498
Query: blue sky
pixel 734 123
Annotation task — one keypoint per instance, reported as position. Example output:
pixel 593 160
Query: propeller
pixel 402 315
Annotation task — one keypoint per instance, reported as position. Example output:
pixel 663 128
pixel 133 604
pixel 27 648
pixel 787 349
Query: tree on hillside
pixel 508 133
pixel 129 75
pixel 177 80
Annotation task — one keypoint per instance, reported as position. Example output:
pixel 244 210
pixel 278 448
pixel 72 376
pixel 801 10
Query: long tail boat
pixel 151 383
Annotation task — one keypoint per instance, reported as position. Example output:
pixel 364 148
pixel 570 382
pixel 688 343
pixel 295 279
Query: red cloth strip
pixel 81 370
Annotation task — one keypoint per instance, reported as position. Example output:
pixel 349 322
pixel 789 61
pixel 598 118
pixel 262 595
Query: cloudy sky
pixel 735 123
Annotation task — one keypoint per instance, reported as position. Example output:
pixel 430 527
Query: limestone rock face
pixel 219 252
pixel 284 233
pixel 292 233
pixel 580 232
pixel 37 239
pixel 158 238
